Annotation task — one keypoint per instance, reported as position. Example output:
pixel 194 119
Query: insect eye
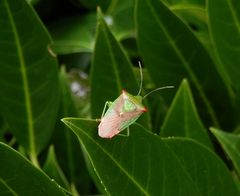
pixel 129 106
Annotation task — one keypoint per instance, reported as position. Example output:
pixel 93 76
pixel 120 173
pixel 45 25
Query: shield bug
pixel 123 112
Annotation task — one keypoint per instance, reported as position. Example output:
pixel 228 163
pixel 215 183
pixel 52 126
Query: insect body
pixel 123 112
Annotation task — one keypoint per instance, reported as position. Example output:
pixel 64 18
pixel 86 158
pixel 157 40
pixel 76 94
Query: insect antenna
pixel 141 78
pixel 157 89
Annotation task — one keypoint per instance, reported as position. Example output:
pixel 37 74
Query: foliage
pixel 65 59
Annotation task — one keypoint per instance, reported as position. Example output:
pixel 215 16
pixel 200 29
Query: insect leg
pixel 127 133
pixel 107 104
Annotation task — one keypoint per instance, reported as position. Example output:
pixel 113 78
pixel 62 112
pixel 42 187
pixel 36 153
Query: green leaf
pixel 171 52
pixel 111 71
pixel 224 26
pixel 230 144
pixel 182 118
pixel 117 14
pixel 66 144
pixel 144 164
pixel 19 177
pixel 29 76
pixel 73 34
pixel 53 170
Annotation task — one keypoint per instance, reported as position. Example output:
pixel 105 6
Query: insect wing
pixel 129 118
pixel 110 123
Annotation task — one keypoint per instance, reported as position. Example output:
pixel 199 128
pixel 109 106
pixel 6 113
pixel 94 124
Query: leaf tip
pixel 65 120
pixel 213 130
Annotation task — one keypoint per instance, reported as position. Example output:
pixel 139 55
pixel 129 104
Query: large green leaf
pixel 224 26
pixel 144 164
pixel 171 52
pixel 231 145
pixel 182 118
pixel 29 91
pixel 19 177
pixel 111 71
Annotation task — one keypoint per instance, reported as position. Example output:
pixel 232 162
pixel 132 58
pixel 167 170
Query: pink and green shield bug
pixel 123 112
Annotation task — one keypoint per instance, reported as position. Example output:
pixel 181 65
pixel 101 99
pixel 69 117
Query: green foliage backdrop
pixel 60 61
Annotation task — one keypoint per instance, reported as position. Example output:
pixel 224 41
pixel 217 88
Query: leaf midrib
pixel 25 81
pixel 118 80
pixel 234 16
pixel 8 187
